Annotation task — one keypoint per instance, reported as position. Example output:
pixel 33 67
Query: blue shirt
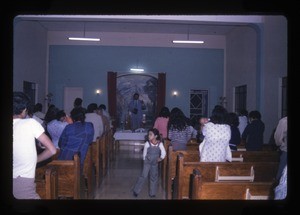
pixel 76 137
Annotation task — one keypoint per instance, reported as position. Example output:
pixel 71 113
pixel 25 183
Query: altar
pixel 128 140
pixel 129 135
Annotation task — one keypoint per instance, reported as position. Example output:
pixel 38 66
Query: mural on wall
pixel 143 84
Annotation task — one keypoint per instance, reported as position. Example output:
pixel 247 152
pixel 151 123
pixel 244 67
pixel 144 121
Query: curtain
pixel 161 92
pixel 111 94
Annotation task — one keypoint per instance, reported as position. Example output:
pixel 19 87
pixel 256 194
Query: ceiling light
pixel 189 41
pixel 84 38
pixel 136 70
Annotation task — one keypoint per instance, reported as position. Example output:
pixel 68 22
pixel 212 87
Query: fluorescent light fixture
pixel 189 41
pixel 84 39
pixel 136 70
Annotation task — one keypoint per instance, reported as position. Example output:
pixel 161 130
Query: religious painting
pixel 143 84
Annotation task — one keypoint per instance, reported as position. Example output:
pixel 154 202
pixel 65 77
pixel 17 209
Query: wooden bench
pixel 96 158
pixel 89 174
pixel 200 189
pixel 192 154
pixel 47 184
pixel 259 156
pixel 69 178
pixel 220 171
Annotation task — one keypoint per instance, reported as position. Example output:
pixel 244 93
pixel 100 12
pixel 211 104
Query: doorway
pixel 30 88
pixel 70 94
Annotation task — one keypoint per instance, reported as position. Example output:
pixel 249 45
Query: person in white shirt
pixel 93 117
pixel 37 111
pixel 25 156
pixel 217 134
pixel 280 137
pixel 243 120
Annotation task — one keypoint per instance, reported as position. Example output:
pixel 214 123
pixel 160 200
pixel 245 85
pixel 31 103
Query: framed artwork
pixel 143 84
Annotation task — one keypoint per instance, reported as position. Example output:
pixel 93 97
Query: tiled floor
pixel 123 173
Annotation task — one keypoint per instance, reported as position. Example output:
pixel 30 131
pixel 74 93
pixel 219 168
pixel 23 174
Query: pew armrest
pixel 256 197
pixel 238 159
pixel 234 177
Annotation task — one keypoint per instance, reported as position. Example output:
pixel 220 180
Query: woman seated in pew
pixel 233 122
pixel 179 131
pixel 217 133
pixel 161 122
pixel 76 137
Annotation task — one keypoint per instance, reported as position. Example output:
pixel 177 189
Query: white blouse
pixel 215 146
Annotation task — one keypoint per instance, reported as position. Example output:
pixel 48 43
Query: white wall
pixel 30 57
pixel 241 65
pixel 274 68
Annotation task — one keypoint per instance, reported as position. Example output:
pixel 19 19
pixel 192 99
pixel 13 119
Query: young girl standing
pixel 153 153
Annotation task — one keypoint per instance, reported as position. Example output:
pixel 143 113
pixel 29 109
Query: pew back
pixel 228 190
pixel 263 172
pixel 69 178
pixel 47 184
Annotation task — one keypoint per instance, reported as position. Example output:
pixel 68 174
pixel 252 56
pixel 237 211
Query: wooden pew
pixel 47 184
pixel 163 166
pixel 265 147
pixel 217 171
pixel 69 178
pixel 192 154
pixel 259 156
pixel 103 155
pixel 236 190
pixel 96 158
pixel 89 174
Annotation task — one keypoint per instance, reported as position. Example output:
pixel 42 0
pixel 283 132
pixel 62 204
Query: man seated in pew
pixel 76 137
pixel 25 158
pixel 217 133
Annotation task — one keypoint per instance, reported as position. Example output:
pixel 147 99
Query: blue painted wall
pixel 87 67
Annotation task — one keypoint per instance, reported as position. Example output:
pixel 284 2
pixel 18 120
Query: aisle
pixel 123 173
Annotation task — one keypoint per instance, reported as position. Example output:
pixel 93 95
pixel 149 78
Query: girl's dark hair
pixel 177 120
pixel 164 112
pixel 155 132
pixel 233 119
pixel 51 114
pixel 219 115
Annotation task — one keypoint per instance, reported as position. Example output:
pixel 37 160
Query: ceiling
pixel 204 25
